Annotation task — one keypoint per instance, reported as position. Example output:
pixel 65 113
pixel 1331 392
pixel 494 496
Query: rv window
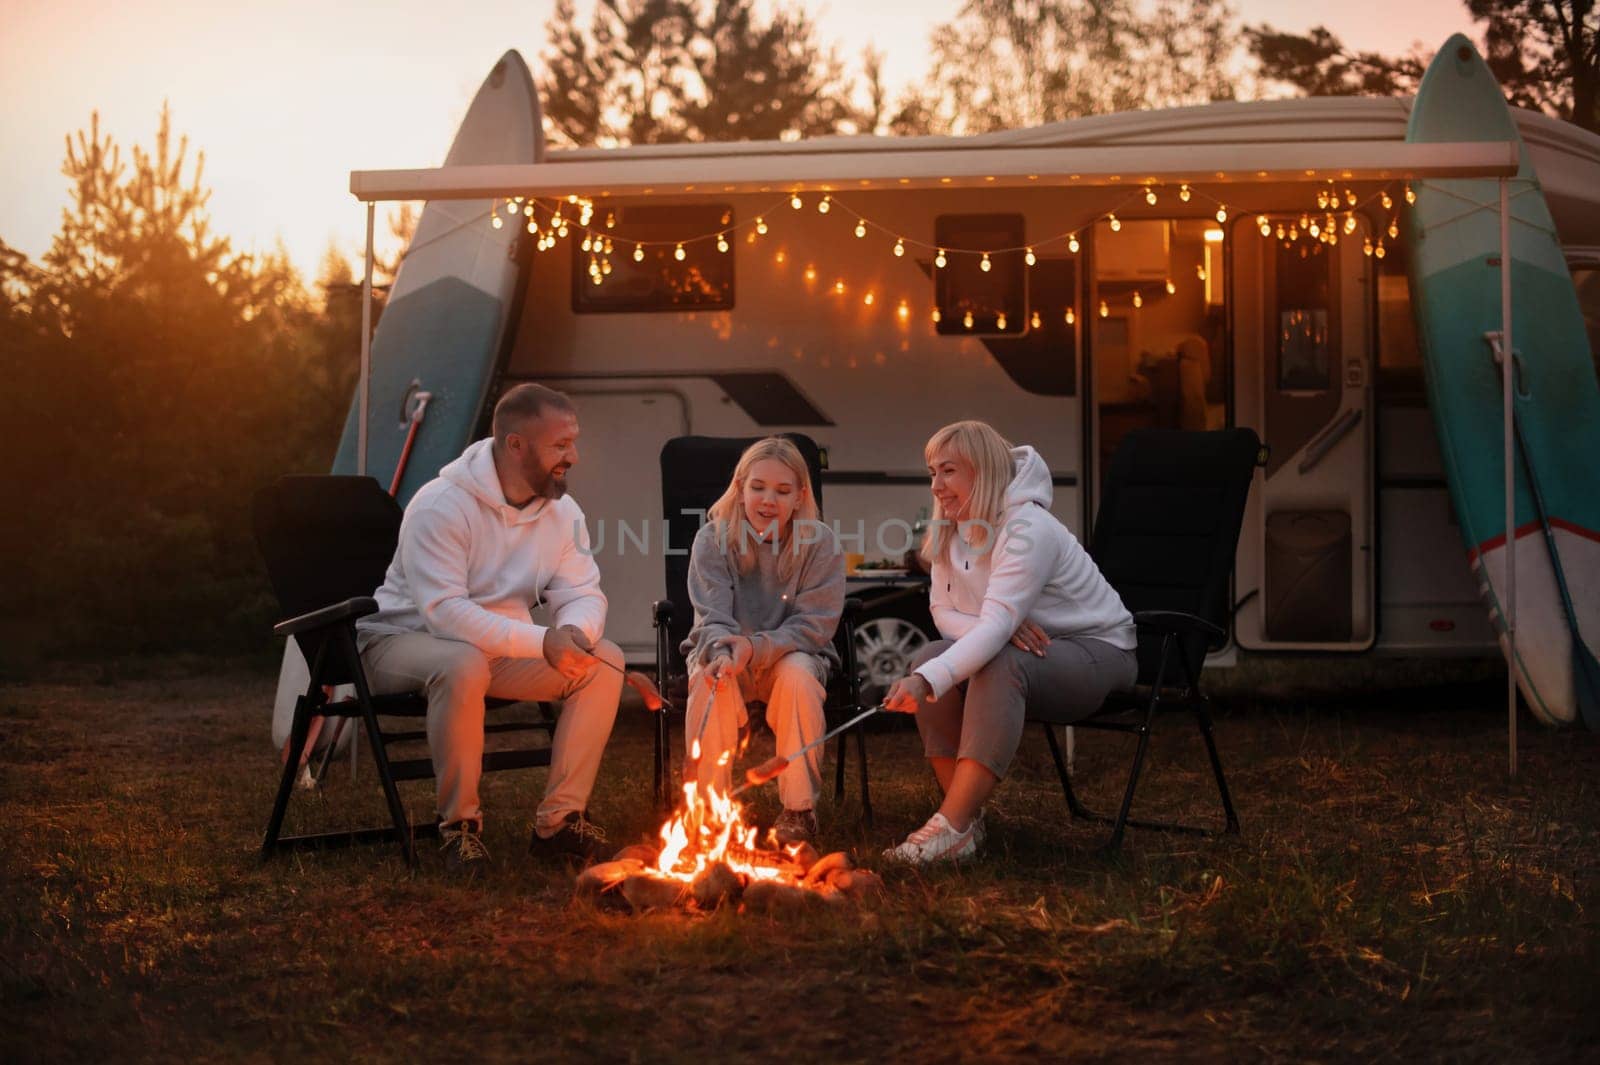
pixel 659 281
pixel 1045 361
pixel 1304 341
pixel 973 299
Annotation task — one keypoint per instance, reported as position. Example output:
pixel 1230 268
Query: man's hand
pixel 1031 638
pixel 568 650
pixel 908 694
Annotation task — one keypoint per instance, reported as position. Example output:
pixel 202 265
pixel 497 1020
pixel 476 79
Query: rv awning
pixel 738 169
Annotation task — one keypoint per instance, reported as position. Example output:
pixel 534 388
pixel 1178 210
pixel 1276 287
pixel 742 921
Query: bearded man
pixel 481 546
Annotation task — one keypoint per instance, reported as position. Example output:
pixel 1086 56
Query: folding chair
pixel 327 542
pixel 1165 538
pixel 695 471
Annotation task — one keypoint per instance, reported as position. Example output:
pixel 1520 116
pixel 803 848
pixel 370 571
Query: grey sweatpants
pixel 982 719
pixel 457 676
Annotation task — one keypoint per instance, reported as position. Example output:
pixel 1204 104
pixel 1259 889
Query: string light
pixel 966 319
pixel 1172 289
pixel 903 312
pixel 1264 226
pixel 1349 222
pixel 838 288
pixel 899 248
pixel 1322 199
pixel 1150 195
pixel 1112 221
pixel 1033 320
pixel 586 243
pixel 1379 251
pixel 638 253
pixel 1349 198
pixel 1411 197
pixel 761 225
pixel 527 208
pixel 937 317
pixel 869 299
pixel 1072 243
pixel 533 227
pixel 1394 228
pixel 611 220
pixel 1222 213
pixel 722 243
pixel 678 253
pixel 1071 316
pixel 1030 258
pixel 984 263
pixel 495 221
pixel 1105 312
pixel 1138 300
pixel 861 229
pixel 939 260
pixel 1000 322
pixel 794 201
pixel 822 205
pixel 1183 193
pixel 1386 200
pixel 1200 271
pixel 511 207
pixel 1366 247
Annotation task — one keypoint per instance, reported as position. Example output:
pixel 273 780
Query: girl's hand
pixel 1031 638
pixel 738 650
pixel 907 694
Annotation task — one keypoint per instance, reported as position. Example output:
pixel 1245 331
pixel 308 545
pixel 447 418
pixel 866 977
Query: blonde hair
pixel 989 455
pixel 728 511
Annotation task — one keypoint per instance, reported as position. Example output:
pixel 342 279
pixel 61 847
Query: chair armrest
pixel 328 616
pixel 661 612
pixel 852 610
pixel 1176 622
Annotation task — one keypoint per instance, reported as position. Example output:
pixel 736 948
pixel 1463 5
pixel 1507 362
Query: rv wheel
pixel 884 649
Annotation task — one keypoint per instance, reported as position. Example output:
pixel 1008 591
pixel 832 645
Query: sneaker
pixel 795 826
pixel 936 841
pixel 578 837
pixel 465 855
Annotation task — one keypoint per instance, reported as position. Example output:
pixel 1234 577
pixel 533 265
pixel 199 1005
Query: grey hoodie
pixel 471 567
pixel 1036 572
pixel 779 616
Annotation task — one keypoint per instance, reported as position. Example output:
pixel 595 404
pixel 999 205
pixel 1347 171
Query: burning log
pixel 804 856
pixel 638 852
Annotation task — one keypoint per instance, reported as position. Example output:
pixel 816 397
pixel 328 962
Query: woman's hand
pixel 907 694
pixel 738 650
pixel 1031 638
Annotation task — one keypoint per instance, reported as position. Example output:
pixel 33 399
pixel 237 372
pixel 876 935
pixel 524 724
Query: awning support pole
pixel 1507 358
pixel 366 351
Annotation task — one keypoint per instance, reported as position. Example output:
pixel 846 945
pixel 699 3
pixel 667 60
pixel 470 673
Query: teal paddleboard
pixel 445 324
pixel 1454 233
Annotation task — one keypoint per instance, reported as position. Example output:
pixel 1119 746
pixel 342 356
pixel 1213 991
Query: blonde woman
pixel 1026 617
pixel 767 582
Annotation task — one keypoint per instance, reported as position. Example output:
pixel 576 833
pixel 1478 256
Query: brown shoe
pixel 578 838
pixel 795 826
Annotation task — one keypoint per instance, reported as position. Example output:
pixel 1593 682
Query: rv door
pixel 1301 324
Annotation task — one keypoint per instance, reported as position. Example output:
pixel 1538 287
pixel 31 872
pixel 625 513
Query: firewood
pixel 716 884
pixel 646 892
pixel 826 864
pixel 803 855
pixel 857 884
pixel 638 852
pixel 603 876
pixel 778 899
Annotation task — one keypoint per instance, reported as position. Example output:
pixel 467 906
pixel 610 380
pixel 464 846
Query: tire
pixel 885 645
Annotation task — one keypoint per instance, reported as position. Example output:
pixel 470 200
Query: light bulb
pixel 611 220
pixel 1112 221
pixel 511 207
pixel 869 299
pixel 722 243
pixel 1072 243
pixel 1071 316
pixel 811 272
pixel 1172 289
pixel 1183 193
pixel 1150 196
pixel 966 319
pixel 903 311
pixel 1394 229
pixel 638 253
pixel 1366 247
pixel 1033 320
pixel 1386 200
pixel 838 288
pixel 1138 300
pixel 984 264
pixel 1000 323
pixel 562 232
pixel 1200 272
pixel 761 226
pixel 1266 230
pixel 899 248
pixel 678 253
pixel 794 201
pixel 495 221
pixel 1379 250
pixel 1322 199
pixel 1315 229
pixel 1105 312
pixel 1279 231
pixel 1222 213
pixel 822 205
pixel 586 243
pixel 780 258
pixel 533 227
pixel 861 229
pixel 1030 258
pixel 1349 222
pixel 527 208
pixel 1411 197
pixel 939 260
pixel 937 316
pixel 595 277
pixel 1349 198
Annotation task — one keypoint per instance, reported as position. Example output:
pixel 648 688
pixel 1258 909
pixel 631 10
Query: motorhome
pixel 1229 264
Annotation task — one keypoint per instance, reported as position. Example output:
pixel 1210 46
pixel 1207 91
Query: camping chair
pixel 695 471
pixel 1165 539
pixel 327 542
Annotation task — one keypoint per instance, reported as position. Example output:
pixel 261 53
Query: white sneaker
pixel 936 841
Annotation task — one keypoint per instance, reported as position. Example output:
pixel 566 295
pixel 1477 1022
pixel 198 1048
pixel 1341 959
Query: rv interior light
pixel 1213 235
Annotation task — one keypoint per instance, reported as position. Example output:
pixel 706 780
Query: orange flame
pixel 712 828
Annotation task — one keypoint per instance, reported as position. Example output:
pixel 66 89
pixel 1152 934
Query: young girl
pixel 1026 617
pixel 767 582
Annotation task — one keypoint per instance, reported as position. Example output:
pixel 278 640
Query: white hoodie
pixel 1037 572
pixel 471 567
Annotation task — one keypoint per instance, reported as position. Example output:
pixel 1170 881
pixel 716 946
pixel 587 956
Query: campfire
pixel 710 856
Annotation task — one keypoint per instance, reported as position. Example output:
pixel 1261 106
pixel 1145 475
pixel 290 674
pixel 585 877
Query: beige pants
pixel 457 677
pixel 794 693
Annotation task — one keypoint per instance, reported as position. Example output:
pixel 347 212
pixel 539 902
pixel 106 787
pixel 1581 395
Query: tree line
pixel 159 376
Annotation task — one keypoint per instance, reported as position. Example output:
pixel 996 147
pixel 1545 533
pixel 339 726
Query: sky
pixel 287 97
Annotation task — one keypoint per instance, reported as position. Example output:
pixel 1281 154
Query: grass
pixel 1393 897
